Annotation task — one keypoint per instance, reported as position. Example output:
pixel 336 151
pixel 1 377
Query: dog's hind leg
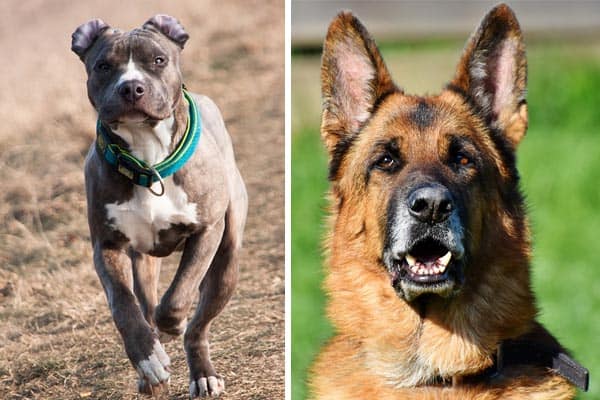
pixel 146 271
pixel 215 291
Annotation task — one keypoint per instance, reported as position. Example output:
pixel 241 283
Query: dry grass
pixel 57 339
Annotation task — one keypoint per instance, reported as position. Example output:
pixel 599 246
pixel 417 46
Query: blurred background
pixel 559 159
pixel 57 338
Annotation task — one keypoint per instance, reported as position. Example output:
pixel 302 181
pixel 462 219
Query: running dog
pixel 160 177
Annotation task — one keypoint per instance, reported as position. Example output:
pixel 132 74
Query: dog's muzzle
pixel 424 252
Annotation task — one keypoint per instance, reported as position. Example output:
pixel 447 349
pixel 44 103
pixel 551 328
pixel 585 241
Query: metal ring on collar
pixel 160 180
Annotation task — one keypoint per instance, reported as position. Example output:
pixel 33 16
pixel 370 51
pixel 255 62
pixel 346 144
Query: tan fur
pixel 386 347
pixel 338 375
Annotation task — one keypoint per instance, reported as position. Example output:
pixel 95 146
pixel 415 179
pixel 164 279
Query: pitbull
pixel 135 85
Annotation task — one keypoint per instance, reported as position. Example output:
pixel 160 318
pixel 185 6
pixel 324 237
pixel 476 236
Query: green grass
pixel 309 328
pixel 559 162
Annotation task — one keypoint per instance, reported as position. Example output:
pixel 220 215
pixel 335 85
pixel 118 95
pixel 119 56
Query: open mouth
pixel 428 266
pixel 425 259
pixel 426 262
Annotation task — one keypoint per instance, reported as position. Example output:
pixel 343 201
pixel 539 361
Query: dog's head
pixel 428 184
pixel 132 76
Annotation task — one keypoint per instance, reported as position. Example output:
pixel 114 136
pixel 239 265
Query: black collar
pixel 514 352
pixel 521 352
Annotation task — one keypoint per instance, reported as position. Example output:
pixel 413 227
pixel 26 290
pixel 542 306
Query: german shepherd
pixel 428 272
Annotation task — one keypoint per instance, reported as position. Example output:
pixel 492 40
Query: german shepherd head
pixel 429 247
pixel 430 182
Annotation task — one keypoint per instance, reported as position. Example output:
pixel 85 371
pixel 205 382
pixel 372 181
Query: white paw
pixel 155 369
pixel 204 387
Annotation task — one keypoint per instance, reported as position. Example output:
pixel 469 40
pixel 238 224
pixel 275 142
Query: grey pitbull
pixel 135 84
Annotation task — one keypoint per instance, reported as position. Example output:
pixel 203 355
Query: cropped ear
pixel 85 35
pixel 493 73
pixel 169 27
pixel 353 79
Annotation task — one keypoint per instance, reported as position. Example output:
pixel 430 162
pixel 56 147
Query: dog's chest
pixel 154 223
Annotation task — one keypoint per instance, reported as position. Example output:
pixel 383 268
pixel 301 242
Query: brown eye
pixel 159 60
pixel 386 163
pixel 462 160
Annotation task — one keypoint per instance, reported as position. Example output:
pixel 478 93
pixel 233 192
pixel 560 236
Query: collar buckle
pixel 133 171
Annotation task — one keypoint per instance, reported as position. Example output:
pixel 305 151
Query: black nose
pixel 131 91
pixel 431 203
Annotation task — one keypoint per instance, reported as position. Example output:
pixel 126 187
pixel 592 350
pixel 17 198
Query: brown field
pixel 57 338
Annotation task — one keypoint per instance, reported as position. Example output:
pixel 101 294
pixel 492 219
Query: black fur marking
pixel 338 153
pixel 459 91
pixel 381 99
pixel 473 105
pixel 423 115
pixel 392 209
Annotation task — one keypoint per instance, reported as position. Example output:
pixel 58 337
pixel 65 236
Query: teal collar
pixel 138 171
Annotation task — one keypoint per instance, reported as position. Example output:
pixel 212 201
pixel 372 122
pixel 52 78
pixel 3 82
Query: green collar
pixel 138 171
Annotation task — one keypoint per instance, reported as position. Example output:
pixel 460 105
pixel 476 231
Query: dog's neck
pixel 153 142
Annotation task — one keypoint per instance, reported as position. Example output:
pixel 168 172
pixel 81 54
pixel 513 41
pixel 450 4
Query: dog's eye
pixel 102 66
pixel 386 163
pixel 462 159
pixel 159 60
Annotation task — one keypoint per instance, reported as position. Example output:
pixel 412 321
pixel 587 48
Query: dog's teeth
pixel 444 260
pixel 436 269
pixel 410 260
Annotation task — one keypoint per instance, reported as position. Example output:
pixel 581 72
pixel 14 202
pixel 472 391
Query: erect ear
pixel 85 35
pixel 170 27
pixel 493 73
pixel 353 78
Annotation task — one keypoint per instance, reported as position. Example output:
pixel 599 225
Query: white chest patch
pixel 145 215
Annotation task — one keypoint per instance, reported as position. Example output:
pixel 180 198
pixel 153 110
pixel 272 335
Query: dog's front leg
pixel 141 343
pixel 146 270
pixel 199 250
